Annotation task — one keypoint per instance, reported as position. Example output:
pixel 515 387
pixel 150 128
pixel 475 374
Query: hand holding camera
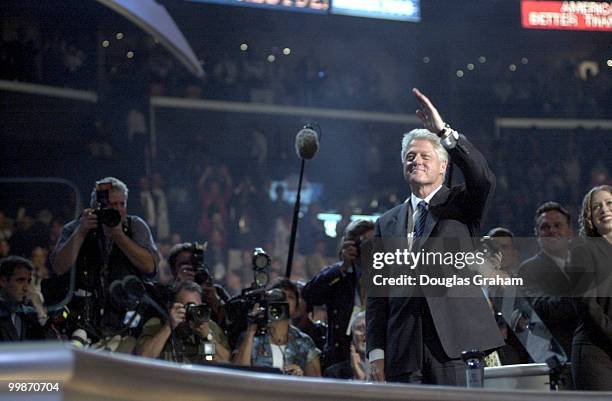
pixel 88 221
pixel 177 314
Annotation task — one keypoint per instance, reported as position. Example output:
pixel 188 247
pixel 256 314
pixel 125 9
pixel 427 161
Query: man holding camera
pixel 105 244
pixel 186 262
pixel 338 288
pixel 196 337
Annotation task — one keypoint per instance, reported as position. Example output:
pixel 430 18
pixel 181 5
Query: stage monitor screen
pixel 402 10
pixel 311 6
pixel 567 15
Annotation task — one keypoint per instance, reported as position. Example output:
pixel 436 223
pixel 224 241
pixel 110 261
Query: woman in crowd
pixel 592 343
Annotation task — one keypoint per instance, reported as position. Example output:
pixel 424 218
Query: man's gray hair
pixel 359 317
pixel 117 185
pixel 422 133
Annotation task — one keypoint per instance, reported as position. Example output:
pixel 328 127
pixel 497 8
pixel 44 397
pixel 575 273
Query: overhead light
pixel 105 43
pixel 271 58
pixel 482 59
pixel 286 51
pixel 524 60
pixel 244 47
pixel 470 66
pixel 459 73
pixel 130 54
pixel 426 60
pixel 512 67
pixel 119 35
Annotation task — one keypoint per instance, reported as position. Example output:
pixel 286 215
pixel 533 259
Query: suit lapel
pixel 403 218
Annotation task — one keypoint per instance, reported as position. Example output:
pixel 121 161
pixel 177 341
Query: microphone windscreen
pixel 307 143
pixel 135 290
pixel 117 293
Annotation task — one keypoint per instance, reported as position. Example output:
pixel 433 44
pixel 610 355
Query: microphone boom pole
pixel 306 147
pixel 294 223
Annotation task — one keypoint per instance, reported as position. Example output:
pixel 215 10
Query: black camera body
pixel 105 213
pixel 202 274
pixel 197 314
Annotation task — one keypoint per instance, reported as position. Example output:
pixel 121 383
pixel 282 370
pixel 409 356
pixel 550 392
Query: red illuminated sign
pixel 568 15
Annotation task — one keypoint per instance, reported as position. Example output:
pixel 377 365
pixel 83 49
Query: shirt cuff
pixel 376 354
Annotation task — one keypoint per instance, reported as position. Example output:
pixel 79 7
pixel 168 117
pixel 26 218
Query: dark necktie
pixel 419 225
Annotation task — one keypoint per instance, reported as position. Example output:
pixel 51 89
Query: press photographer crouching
pixel 104 245
pixel 187 264
pixel 189 335
pixel 271 341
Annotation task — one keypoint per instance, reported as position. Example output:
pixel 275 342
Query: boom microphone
pixel 307 142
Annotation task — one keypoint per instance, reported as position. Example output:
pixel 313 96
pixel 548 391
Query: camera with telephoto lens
pixel 202 274
pixel 239 307
pixel 273 307
pixel 105 213
pixel 197 314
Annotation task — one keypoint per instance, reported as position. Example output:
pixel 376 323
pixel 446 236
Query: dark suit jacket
pixel 30 329
pixel 337 292
pixel 548 291
pixel 459 317
pixel 592 344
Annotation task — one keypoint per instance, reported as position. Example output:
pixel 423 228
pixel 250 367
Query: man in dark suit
pixel 546 282
pixel 15 323
pixel 419 338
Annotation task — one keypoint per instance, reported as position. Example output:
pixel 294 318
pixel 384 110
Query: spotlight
pixel 244 47
pixel 119 35
pixel 609 63
pixel 470 66
pixel 426 60
pixel 512 67
pixel 130 54
pixel 459 73
pixel 105 43
pixel 286 51
pixel 482 59
pixel 524 60
pixel 271 58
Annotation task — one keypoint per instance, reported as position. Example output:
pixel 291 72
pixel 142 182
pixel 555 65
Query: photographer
pixel 104 244
pixel 338 287
pixel 186 262
pixel 270 340
pixel 197 337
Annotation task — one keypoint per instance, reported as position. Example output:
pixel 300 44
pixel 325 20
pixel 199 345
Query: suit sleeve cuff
pixel 376 354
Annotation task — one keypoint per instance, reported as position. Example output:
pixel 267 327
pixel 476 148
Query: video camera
pixel 239 307
pixel 106 214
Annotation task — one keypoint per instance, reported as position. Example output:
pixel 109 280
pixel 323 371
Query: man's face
pixel 118 201
pixel 16 287
pixel 509 253
pixel 184 267
pixel 422 165
pixel 553 232
pixel 359 337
